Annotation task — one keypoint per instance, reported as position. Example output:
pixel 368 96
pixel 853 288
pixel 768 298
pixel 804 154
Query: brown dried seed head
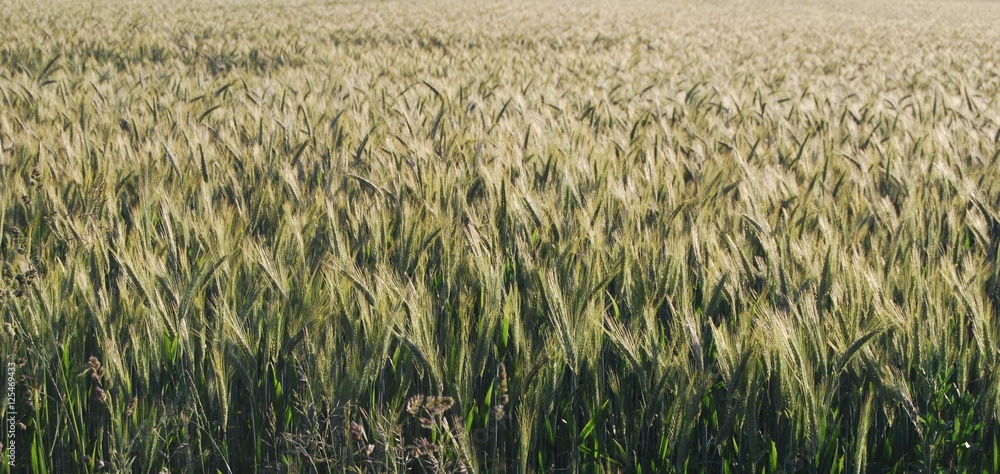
pixel 438 405
pixel 95 368
pixel 414 404
pixel 358 432
pixel 422 447
pixel 502 384
pixel 446 402
pixel 131 406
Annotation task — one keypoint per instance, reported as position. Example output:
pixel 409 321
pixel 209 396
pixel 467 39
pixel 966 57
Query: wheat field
pixel 249 236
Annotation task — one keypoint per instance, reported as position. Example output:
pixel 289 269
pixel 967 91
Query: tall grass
pixel 254 236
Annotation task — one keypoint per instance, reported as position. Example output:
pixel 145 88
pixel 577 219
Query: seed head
pixel 438 405
pixel 95 369
pixel 502 384
pixel 414 404
pixel 358 432
pixel 502 396
pixel 100 395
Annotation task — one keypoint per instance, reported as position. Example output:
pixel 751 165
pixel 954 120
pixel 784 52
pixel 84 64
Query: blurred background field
pixel 259 236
